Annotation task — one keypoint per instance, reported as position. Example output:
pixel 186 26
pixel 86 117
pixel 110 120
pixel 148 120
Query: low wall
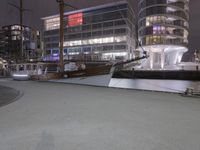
pixel 141 74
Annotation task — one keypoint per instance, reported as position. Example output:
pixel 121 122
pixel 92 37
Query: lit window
pixel 108 40
pixel 15 27
pixel 51 24
pixel 170 9
pixel 14 38
pixel 147 23
pixel 96 41
pixel 120 39
pixel 75 19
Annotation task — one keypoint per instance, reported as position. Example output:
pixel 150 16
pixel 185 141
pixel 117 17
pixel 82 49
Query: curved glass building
pixel 163 31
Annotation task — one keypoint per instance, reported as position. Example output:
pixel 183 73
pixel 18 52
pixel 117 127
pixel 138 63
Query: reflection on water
pixel 177 86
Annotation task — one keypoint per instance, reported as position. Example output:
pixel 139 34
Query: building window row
pixel 88 50
pixel 161 19
pixel 121 31
pixel 50 45
pixel 51 24
pixel 178 3
pixel 116 39
pixel 98 26
pixel 163 10
pixel 159 29
pixel 85 28
pixel 54 23
pixel 152 40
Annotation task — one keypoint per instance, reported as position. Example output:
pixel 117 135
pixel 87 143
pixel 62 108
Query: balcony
pixel 163 40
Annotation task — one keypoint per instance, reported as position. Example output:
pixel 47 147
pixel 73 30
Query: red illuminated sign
pixel 75 19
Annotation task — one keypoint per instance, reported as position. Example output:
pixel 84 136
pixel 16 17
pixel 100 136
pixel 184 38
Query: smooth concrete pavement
pixel 53 116
pixel 8 95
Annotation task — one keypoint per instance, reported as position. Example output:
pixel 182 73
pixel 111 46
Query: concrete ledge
pixel 158 74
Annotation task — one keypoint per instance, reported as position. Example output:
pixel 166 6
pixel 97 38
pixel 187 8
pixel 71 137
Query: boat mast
pixel 21 29
pixel 62 6
pixel 21 11
pixel 61 9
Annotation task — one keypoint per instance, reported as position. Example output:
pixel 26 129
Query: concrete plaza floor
pixel 53 116
pixel 8 95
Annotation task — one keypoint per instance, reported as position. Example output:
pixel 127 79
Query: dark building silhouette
pixel 10 40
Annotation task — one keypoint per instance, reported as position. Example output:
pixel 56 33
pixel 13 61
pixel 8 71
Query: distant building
pixel 10 40
pixel 163 31
pixel 197 56
pixel 2 43
pixel 105 32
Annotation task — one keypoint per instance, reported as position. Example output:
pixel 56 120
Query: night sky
pixel 42 8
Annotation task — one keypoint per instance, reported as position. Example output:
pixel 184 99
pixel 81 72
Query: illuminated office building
pixel 105 32
pixel 163 31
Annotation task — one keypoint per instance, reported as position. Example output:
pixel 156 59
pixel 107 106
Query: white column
pixel 151 59
pixel 17 67
pixel 162 59
pixel 25 66
pixel 31 67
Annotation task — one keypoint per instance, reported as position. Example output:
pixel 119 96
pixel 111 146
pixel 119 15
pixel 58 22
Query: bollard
pixel 189 91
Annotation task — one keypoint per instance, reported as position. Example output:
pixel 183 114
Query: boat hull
pixel 93 71
pixel 97 80
pixel 48 76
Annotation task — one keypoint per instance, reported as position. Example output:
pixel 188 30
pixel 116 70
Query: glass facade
pixel 163 27
pixel 104 32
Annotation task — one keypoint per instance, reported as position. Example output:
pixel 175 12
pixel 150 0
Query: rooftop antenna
pixel 62 6
pixel 21 10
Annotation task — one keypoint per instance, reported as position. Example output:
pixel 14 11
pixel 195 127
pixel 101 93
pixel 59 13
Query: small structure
pixel 189 91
